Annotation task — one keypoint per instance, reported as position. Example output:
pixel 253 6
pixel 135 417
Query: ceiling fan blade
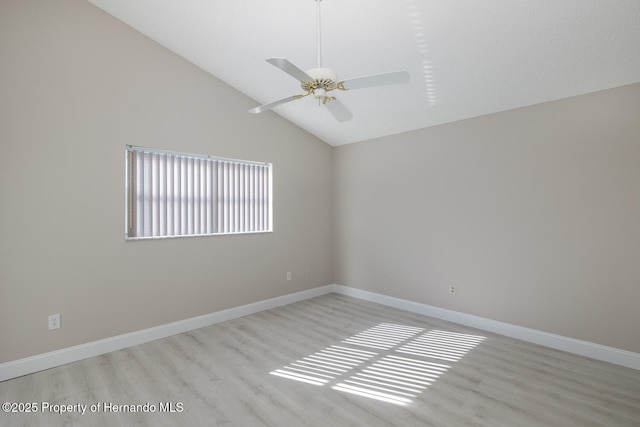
pixel 290 69
pixel 338 110
pixel 270 105
pixel 384 79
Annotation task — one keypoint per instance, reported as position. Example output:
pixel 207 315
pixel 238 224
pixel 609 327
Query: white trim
pixel 558 342
pixel 29 365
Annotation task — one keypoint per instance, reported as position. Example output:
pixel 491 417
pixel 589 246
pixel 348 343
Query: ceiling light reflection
pixel 419 33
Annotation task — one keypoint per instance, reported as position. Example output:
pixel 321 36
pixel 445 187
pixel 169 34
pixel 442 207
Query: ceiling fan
pixel 320 81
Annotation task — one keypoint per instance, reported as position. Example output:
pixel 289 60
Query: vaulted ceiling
pixel 466 58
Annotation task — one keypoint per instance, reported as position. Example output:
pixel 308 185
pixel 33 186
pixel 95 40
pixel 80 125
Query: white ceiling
pixel 466 58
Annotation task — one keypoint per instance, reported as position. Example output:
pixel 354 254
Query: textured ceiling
pixel 466 58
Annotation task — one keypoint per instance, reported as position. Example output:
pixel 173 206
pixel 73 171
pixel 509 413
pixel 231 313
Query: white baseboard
pixel 558 342
pixel 40 362
pixel 29 365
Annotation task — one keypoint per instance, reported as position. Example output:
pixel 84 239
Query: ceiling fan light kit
pixel 323 78
pixel 320 80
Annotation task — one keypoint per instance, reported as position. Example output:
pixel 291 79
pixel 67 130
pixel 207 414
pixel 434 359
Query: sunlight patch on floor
pixel 400 368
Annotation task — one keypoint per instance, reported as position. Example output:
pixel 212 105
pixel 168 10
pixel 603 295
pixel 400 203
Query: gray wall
pixel 534 214
pixel 78 85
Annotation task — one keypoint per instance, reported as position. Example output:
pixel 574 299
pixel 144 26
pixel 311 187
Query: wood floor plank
pixel 222 375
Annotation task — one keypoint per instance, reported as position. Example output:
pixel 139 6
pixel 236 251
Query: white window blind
pixel 177 194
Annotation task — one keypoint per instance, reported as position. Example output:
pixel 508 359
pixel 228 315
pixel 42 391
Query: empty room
pixel 323 213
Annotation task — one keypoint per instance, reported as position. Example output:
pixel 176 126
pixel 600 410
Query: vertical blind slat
pixel 220 194
pixel 254 205
pixel 260 198
pixel 155 197
pixel 203 198
pixel 162 182
pixel 170 195
pixel 230 196
pixel 184 196
pixel 146 201
pixel 195 214
pixel 189 196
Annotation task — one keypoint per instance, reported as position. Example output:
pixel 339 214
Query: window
pixel 176 194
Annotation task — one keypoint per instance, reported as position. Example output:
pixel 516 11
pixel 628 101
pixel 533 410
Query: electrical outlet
pixel 288 276
pixel 54 321
pixel 452 290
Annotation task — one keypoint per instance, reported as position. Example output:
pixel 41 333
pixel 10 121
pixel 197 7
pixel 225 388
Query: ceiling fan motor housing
pixel 324 80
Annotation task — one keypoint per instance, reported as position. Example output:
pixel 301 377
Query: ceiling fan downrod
pixel 318 34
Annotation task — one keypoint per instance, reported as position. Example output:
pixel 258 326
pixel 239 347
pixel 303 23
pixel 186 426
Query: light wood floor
pixel 426 371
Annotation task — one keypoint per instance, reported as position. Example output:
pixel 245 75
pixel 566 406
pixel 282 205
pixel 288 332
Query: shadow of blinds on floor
pixel 397 366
